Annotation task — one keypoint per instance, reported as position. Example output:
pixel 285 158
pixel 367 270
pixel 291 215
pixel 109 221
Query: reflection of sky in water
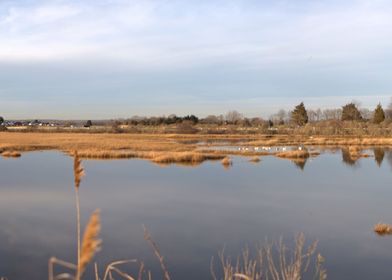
pixel 193 212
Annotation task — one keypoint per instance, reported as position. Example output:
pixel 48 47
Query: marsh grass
pixel 181 149
pixel 383 229
pixel 274 261
pixel 11 154
pixel 296 154
pixel 227 162
pixel 255 159
pixel 184 157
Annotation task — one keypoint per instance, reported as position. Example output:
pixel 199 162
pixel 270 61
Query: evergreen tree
pixel 88 123
pixel 379 114
pixel 299 116
pixel 379 154
pixel 350 112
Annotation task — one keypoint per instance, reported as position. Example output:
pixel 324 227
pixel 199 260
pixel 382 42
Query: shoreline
pixel 188 149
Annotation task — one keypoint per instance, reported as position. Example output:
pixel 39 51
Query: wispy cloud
pixel 209 50
pixel 176 32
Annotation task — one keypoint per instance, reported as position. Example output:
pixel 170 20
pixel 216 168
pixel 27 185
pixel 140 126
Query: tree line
pixel 299 116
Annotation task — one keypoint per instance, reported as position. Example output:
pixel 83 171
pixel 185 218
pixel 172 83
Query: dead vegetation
pixel 274 261
pixel 293 154
pixel 184 157
pixel 184 149
pixel 11 154
pixel 255 159
pixel 293 140
pixel 227 162
pixel 383 229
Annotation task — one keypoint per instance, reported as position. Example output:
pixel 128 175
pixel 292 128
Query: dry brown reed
pixel 78 169
pixel 12 154
pixel 114 268
pixel 255 159
pixel 184 157
pixel 54 261
pixel 274 261
pixel 182 149
pixel 91 243
pixel 294 154
pixel 227 162
pixel 147 237
pixel 383 229
pixel 78 174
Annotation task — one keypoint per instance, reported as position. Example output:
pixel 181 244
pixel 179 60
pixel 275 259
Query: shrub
pixel 88 123
pixel 186 128
pixel 350 112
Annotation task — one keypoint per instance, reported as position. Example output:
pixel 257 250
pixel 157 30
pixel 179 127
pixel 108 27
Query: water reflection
pixel 300 162
pixel 194 212
pixel 389 157
pixel 379 154
pixel 348 158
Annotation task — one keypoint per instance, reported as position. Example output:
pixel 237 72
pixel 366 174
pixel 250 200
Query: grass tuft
pixel 294 154
pixel 383 229
pixel 11 154
pixel 227 162
pixel 255 159
pixel 274 261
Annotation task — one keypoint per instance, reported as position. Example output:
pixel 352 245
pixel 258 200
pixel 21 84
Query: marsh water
pixel 193 212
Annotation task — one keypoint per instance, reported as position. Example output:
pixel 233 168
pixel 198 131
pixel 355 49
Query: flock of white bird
pixel 264 148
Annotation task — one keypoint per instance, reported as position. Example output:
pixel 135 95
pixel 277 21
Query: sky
pixel 98 59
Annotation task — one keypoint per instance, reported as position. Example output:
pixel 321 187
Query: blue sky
pixel 115 58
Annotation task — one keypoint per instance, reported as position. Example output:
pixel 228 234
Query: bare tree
pixel 312 115
pixel 366 113
pixel 233 117
pixel 257 121
pixel 319 114
pixel 332 114
pixel 211 119
pixel 280 117
pixel 388 111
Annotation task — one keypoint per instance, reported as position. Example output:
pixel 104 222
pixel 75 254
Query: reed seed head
pixel 91 243
pixel 78 169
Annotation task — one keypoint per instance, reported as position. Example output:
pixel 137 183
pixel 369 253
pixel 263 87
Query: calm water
pixel 192 213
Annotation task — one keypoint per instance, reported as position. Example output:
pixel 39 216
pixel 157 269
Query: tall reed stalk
pixel 78 174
